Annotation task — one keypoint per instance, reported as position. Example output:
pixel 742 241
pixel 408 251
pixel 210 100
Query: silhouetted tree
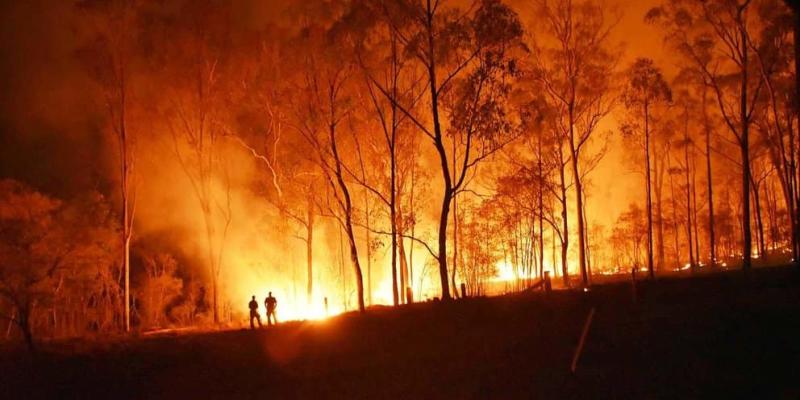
pixel 465 53
pixel 645 89
pixel 108 58
pixel 574 62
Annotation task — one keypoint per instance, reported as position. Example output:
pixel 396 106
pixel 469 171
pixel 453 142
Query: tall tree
pixel 109 59
pixel 391 84
pixel 776 121
pixel 575 62
pixel 646 88
pixel 196 117
pixel 718 39
pixel 325 102
pixel 466 54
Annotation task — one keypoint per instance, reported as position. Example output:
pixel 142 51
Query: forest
pixel 164 161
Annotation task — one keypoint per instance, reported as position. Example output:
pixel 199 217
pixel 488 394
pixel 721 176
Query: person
pixel 271 303
pixel 254 313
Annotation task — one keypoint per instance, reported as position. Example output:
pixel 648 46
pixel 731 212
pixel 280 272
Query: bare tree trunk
pixel 772 208
pixel 405 282
pixel 310 251
pixel 712 245
pixel 687 166
pixel 795 173
pixel 540 205
pixel 553 251
pixel 341 269
pixel 762 249
pixel 675 223
pixel 588 245
pixel 413 228
pixel 367 229
pixel 694 208
pixel 438 142
pixel 211 259
pixel 455 245
pixel 348 217
pixel 564 226
pixel 576 176
pixel 126 254
pixel 649 191
pixel 393 217
pixel 659 208
pixel 745 151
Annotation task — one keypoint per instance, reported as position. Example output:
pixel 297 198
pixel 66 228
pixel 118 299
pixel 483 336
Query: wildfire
pixel 507 272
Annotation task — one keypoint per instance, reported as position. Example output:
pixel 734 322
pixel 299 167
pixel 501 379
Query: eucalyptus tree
pixel 109 59
pixel 469 57
pixel 575 62
pixel 645 89
pixel 721 39
pixel 325 100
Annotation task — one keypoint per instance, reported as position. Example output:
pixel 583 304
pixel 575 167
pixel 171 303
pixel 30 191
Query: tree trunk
pixel 745 150
pixel 211 259
pixel 578 201
pixel 564 227
pixel 540 193
pixel 406 283
pixel 438 142
pixel 649 191
pixel 675 222
pixel 413 229
pixel 687 165
pixel 310 252
pixel 712 245
pixel 796 171
pixel 367 229
pixel 658 181
pixel 356 266
pixel 762 249
pixel 393 222
pixel 694 209
pixel 455 244
pixel 24 323
pixel 348 219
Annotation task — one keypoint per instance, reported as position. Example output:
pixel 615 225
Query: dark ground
pixel 713 336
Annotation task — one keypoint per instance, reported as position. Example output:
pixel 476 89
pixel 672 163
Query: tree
pixel 197 122
pixel 109 58
pixel 47 244
pixel 686 142
pixel 574 63
pixel 391 84
pixel 718 39
pixel 325 107
pixel 775 121
pixel 470 49
pixel 645 89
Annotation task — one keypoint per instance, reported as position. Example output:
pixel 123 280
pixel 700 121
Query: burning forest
pixel 163 162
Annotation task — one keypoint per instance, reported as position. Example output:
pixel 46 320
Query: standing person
pixel 271 303
pixel 254 313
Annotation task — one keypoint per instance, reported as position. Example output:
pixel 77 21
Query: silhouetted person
pixel 271 303
pixel 254 313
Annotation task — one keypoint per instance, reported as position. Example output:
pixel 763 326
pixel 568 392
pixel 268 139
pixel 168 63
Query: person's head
pixel 254 297
pixel 270 294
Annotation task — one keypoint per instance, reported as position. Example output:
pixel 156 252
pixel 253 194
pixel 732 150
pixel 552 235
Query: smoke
pixel 54 136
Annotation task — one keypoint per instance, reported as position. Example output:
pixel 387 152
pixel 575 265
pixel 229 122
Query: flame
pixel 506 272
